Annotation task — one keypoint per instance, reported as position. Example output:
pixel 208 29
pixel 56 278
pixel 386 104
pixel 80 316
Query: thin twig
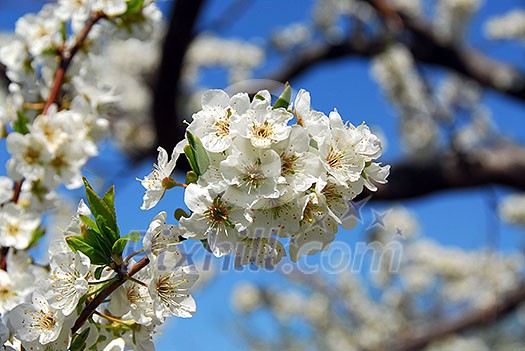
pixel 490 314
pixel 66 57
pixel 88 311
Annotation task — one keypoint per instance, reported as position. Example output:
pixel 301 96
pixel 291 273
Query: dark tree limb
pixel 409 179
pixel 505 305
pixel 312 56
pixel 4 81
pixel 501 165
pixel 167 89
pixel 427 46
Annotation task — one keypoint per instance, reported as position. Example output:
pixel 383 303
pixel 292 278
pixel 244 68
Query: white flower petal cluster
pixel 68 275
pixel 36 321
pixel 508 26
pixel 160 236
pixel 51 124
pixel 359 312
pixel 453 17
pixel 268 178
pixel 54 151
pixel 17 226
pixel 17 282
pixel 512 209
pixel 50 143
pixel 169 285
pixel 159 180
pixel 238 57
pixel 395 72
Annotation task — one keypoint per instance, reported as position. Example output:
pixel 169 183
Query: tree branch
pixel 66 57
pixel 167 89
pixel 493 313
pixel 88 311
pixel 427 46
pixel 300 62
pixel 502 165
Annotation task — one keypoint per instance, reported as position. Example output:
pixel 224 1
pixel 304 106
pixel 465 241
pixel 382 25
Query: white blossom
pixel 212 219
pixel 250 173
pixel 160 236
pixel 68 276
pixel 508 26
pixel 17 226
pixel 159 180
pixel 36 321
pixel 169 286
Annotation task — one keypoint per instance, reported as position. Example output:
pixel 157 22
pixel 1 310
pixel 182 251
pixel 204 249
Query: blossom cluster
pixel 42 307
pixel 370 311
pixel 395 72
pixel 88 296
pixel 262 172
pixel 257 177
pixel 50 138
pixel 512 209
pixel 453 17
pixel 508 26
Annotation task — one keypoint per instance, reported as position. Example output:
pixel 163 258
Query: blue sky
pixel 458 218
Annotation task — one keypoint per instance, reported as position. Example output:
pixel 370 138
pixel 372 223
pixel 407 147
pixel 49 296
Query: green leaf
pixel 20 125
pixel 191 177
pixel 98 272
pixel 100 209
pixel 285 97
pixel 63 31
pixel 259 97
pixel 133 236
pixel 38 234
pixel 78 343
pixel 190 156
pixel 179 213
pixel 109 199
pixel 196 154
pixel 313 143
pixel 120 244
pixel 89 222
pixel 191 139
pixel 99 242
pixel 134 7
pixel 78 243
pixel 202 157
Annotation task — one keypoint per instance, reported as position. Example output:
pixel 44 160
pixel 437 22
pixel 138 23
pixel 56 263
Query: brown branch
pixel 17 190
pixel 300 62
pixel 167 89
pixel 4 81
pixel 88 311
pixel 66 57
pixel 501 165
pixel 427 46
pixel 486 316
pixel 3 257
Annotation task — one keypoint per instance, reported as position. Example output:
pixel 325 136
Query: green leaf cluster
pixel 101 241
